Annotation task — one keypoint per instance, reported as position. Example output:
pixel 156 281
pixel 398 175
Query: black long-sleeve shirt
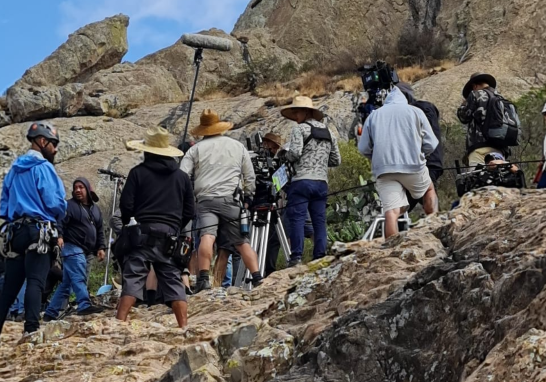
pixel 157 191
pixel 82 226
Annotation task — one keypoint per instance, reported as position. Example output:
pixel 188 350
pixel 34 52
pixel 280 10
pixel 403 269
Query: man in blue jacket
pixel 80 234
pixel 397 138
pixel 32 202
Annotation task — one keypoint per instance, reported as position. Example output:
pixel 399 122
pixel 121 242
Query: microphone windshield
pixel 206 42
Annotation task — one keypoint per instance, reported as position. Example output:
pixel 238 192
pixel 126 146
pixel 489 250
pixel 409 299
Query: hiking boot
pixel 202 285
pixel 189 292
pixel 48 318
pixel 91 310
pixel 294 262
pixel 256 283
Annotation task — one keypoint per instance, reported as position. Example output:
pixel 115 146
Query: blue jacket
pixel 32 189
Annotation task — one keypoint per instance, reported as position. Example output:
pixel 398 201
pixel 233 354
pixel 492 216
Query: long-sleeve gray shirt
pixel 312 161
pixel 217 164
pixel 397 137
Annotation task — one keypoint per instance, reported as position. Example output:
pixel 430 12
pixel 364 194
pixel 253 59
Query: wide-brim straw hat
pixel 273 138
pixel 298 103
pixel 156 141
pixel 479 78
pixel 211 124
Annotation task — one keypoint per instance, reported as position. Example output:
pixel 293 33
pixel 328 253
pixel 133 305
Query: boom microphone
pixel 206 42
pixel 111 173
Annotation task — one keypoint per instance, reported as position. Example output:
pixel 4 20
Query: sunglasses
pixel 54 143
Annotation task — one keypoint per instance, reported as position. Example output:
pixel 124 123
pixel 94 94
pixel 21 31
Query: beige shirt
pixel 217 163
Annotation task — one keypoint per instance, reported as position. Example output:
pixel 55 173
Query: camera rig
pixel 265 166
pixel 500 175
pixel 378 80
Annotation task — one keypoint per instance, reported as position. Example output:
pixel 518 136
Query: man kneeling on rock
pixel 156 203
pixel 397 137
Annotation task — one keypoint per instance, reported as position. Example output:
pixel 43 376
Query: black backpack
pixel 502 126
pixel 318 134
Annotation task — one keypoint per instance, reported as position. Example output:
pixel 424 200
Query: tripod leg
pixel 242 272
pixel 283 239
pixel 263 247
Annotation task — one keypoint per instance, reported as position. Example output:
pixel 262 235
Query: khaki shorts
pixel 392 188
pixel 478 156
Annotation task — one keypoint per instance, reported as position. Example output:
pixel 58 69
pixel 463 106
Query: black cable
pixel 282 208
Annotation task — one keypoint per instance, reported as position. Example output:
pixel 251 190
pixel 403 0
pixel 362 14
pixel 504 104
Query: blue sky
pixel 30 30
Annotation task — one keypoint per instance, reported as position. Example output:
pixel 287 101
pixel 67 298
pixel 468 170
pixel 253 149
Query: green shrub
pixel 353 166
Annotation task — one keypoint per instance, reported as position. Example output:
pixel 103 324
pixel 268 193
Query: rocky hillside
pixel 458 298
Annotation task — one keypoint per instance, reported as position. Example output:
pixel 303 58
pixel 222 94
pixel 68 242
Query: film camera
pixel 272 174
pixel 500 175
pixel 378 81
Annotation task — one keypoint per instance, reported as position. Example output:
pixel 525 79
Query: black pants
pixel 33 267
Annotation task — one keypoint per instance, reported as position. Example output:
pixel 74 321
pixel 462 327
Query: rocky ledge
pixel 458 298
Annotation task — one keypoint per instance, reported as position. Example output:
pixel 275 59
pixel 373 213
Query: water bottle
pixel 132 222
pixel 245 222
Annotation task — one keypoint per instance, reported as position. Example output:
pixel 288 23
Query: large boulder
pixel 39 102
pixel 91 48
pixel 129 86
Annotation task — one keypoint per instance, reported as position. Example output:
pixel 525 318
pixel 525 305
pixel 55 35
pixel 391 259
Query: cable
pixel 282 208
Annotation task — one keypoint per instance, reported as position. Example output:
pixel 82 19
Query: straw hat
pixel 273 138
pixel 301 102
pixel 156 141
pixel 478 78
pixel 211 124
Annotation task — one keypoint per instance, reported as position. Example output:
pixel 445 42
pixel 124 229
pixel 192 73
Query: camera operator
pixel 312 149
pixel 219 165
pixel 397 137
pixel 434 160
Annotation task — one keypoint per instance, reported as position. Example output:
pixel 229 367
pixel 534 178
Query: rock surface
pixel 458 298
pixel 129 86
pixel 87 144
pixel 91 48
pixel 27 103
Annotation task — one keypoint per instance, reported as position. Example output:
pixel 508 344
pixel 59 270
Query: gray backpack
pixel 502 126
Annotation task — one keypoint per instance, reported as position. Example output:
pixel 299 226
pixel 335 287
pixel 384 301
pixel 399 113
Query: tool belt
pixel 171 244
pixel 47 237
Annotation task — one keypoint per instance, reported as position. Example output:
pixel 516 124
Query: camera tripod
pixel 404 223
pixel 259 237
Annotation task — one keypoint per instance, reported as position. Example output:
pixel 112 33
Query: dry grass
pixel 350 84
pixel 415 73
pixel 210 95
pixel 412 74
pixel 313 84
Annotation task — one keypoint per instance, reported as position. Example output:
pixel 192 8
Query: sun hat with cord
pixel 156 141
pixel 299 103
pixel 210 124
pixel 273 138
pixel 478 78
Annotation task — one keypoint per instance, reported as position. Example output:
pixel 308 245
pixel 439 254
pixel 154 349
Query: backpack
pixel 502 126
pixel 318 134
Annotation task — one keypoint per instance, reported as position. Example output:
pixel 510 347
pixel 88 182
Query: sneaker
pixel 189 292
pixel 294 262
pixel 202 285
pixel 48 318
pixel 91 310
